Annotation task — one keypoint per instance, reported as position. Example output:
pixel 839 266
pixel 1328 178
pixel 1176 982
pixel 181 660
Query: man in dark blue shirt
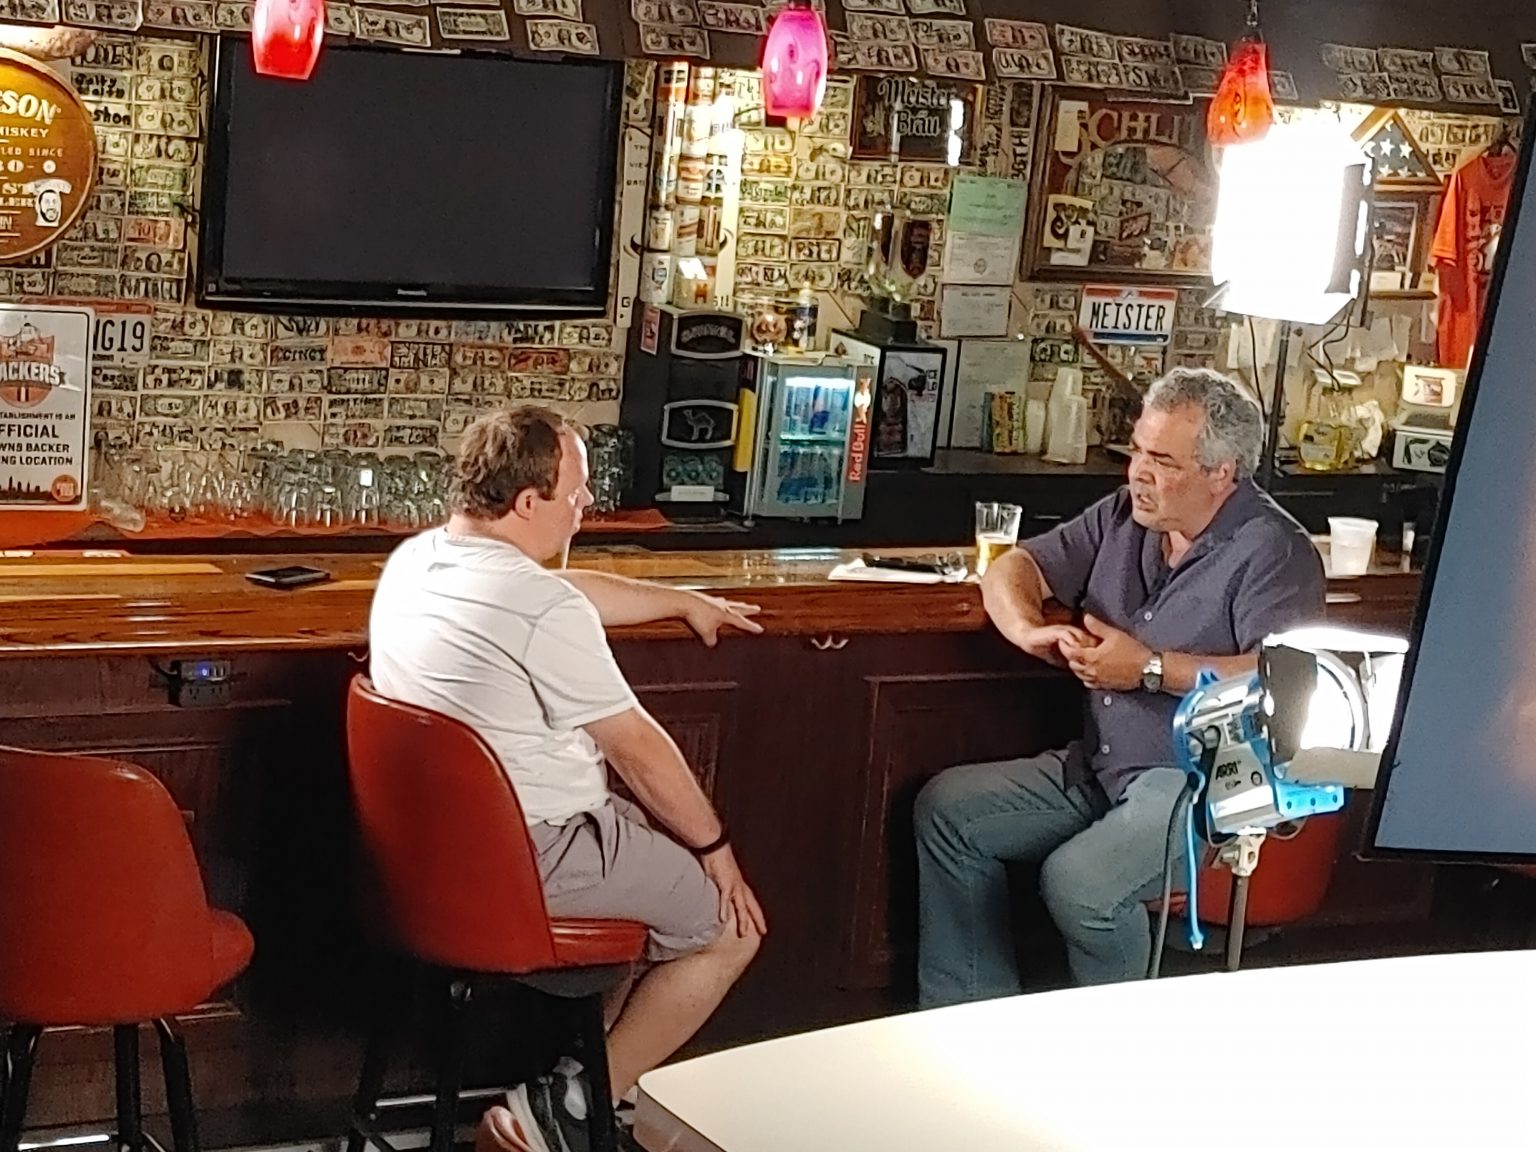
pixel 1187 567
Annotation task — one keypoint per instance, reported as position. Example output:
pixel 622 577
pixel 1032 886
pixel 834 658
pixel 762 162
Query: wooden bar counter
pixel 813 740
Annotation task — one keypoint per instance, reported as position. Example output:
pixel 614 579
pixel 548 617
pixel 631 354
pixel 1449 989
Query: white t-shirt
pixel 476 630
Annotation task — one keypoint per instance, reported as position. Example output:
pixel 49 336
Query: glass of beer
pixel 997 530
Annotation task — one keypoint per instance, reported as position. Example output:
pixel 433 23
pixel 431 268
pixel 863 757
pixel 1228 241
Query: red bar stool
pixel 446 841
pixel 106 925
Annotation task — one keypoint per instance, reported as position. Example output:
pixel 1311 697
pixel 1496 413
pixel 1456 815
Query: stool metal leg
pixel 130 1109
pixel 383 1022
pixel 450 1064
pixel 20 1049
pixel 178 1086
pixel 592 1031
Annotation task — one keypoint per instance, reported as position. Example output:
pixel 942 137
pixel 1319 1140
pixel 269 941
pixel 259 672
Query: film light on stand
pixel 286 36
pixel 1278 746
pixel 795 62
pixel 1292 219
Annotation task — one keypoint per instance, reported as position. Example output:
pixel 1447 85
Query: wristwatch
pixel 1152 673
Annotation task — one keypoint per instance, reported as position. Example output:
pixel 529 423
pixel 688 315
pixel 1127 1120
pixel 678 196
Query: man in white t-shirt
pixel 468 622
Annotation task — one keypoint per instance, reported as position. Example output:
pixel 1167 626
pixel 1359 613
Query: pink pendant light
pixel 286 36
pixel 795 62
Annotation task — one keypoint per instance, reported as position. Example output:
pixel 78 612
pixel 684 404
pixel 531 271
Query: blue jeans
pixel 1099 862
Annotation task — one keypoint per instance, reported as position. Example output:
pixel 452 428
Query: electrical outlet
pixel 199 693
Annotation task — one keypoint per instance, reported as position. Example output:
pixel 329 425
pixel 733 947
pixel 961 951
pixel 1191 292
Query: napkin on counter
pixel 858 570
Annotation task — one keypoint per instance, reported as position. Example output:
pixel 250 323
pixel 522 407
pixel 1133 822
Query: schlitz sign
pixel 911 118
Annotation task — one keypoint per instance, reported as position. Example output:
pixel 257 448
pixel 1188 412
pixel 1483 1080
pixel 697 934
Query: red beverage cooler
pixel 805 438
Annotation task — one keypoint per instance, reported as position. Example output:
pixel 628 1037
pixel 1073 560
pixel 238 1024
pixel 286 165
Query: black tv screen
pixel 1458 776
pixel 396 182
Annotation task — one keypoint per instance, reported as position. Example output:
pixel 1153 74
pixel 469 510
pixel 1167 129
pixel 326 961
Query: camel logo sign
pixel 45 374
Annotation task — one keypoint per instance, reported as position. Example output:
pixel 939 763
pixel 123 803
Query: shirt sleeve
pixel 571 667
pixel 1446 247
pixel 1284 590
pixel 1066 553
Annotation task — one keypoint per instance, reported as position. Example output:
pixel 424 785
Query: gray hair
pixel 1233 429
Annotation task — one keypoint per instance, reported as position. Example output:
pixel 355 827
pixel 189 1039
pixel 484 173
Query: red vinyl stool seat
pixel 444 839
pixel 106 925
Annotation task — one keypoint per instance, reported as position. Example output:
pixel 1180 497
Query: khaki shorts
pixel 612 864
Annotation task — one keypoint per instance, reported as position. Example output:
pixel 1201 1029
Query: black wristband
pixel 716 844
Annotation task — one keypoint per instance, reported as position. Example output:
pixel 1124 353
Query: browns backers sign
pixel 47 156
pixel 45 372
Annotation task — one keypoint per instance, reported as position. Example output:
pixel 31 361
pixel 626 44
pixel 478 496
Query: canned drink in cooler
pixel 655 277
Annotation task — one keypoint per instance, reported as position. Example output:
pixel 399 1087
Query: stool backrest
pixel 101 902
pixel 444 838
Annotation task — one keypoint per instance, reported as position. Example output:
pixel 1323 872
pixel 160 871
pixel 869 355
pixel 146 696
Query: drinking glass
pixel 997 531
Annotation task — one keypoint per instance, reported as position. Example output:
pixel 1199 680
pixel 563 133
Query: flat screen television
pixel 1458 775
pixel 398 183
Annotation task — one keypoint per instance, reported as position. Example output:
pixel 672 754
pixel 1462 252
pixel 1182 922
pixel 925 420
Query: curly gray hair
pixel 1233 430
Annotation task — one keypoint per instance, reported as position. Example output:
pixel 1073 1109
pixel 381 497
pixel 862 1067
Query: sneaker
pixel 554 1108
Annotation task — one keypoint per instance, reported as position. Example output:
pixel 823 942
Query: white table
pixel 1421 1052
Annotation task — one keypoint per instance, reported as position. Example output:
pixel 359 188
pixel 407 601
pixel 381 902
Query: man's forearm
pixel 1181 668
pixel 648 760
pixel 1013 593
pixel 621 601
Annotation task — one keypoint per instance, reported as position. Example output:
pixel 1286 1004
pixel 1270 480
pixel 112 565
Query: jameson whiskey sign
pixel 911 118
pixel 47 156
pixel 45 375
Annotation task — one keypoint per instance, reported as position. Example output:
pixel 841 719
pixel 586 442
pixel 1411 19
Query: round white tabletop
pixel 1409 1053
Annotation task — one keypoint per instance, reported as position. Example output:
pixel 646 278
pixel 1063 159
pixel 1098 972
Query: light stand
pixel 1273 748
pixel 1276 411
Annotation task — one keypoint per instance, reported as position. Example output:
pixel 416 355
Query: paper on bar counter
pixel 858 570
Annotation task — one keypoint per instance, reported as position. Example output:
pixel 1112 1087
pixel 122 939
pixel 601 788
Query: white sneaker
pixel 526 1126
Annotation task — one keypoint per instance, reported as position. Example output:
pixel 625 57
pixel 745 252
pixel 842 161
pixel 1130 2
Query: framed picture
pixel 1401 229
pixel 1124 191
pixel 914 119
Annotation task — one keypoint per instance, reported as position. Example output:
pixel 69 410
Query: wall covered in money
pixel 1325 49
pixel 221 379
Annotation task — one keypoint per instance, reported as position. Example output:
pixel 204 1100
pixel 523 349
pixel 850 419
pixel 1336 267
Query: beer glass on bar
pixel 997 530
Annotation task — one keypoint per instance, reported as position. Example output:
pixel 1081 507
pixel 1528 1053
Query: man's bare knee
pixel 734 950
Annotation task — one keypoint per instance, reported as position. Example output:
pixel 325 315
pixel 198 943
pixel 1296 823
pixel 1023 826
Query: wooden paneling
pixel 919 725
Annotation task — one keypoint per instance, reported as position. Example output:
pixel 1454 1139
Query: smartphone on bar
pixel 293 576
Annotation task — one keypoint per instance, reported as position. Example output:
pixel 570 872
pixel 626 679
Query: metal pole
pixel 1276 412
pixel 1237 913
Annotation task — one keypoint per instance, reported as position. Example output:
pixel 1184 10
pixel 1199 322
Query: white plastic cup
pixel 1351 545
pixel 1034 426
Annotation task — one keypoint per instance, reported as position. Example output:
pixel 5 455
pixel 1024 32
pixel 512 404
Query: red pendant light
pixel 795 62
pixel 286 36
pixel 1243 108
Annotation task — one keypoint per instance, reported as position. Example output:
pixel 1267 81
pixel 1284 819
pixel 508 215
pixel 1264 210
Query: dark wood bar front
pixel 812 740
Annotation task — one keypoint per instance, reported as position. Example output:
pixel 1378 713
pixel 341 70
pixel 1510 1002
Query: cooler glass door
pixel 807 445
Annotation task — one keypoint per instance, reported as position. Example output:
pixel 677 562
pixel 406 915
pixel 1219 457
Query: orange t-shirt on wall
pixel 1466 239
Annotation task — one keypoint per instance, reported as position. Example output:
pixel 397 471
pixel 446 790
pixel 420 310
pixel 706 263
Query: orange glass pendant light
pixel 286 36
pixel 1243 108
pixel 795 62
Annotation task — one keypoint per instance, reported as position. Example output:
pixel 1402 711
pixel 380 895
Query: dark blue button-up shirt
pixel 1252 572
